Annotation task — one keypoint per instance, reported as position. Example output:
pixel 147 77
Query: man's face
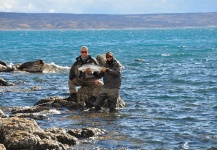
pixel 84 53
pixel 109 58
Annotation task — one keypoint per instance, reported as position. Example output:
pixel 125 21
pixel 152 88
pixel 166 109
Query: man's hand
pixel 104 69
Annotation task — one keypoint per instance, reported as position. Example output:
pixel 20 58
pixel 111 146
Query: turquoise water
pixel 169 84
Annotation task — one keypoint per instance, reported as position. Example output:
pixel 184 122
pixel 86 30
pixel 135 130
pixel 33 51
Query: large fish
pixel 91 66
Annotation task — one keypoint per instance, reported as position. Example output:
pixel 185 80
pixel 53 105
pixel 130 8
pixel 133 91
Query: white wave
pixel 54 68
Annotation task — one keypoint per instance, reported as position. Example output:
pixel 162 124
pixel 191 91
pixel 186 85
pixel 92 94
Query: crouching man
pixel 86 78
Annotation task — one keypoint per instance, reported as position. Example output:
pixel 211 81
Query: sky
pixel 108 6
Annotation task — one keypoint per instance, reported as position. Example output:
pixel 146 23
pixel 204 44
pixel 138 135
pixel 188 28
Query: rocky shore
pixel 19 128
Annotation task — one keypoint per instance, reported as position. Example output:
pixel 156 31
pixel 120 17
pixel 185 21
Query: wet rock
pixel 62 136
pixel 3 63
pixel 47 144
pixel 36 116
pixel 87 132
pixel 2 115
pixel 32 109
pixel 32 66
pixel 5 83
pixel 33 112
pixel 84 94
pixel 37 66
pixel 21 133
pixel 18 133
pixel 57 102
pixel 41 110
pixel 35 88
pixel 4 67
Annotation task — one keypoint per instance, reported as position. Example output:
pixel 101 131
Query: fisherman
pixel 83 78
pixel 111 73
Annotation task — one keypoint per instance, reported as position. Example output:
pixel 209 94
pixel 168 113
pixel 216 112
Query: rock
pixel 33 109
pixel 57 102
pixel 21 133
pixel 47 144
pixel 62 136
pixel 35 88
pixel 18 133
pixel 38 66
pixel 36 116
pixel 5 83
pixel 4 67
pixel 2 115
pixel 101 59
pixel 84 93
pixel 3 63
pixel 86 132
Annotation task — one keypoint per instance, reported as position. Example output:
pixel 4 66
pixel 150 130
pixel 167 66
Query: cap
pixel 109 54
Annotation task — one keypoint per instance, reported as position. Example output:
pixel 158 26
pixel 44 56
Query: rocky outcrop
pixel 30 66
pixel 21 133
pixel 41 108
pixel 38 66
pixel 4 67
pixel 2 115
pixel 20 130
pixel 5 83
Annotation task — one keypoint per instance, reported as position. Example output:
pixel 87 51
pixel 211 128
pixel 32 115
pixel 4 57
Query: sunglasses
pixel 108 56
pixel 83 51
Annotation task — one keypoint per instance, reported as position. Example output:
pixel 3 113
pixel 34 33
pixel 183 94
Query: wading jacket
pixel 112 76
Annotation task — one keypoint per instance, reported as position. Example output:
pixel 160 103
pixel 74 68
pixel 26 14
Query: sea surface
pixel 169 83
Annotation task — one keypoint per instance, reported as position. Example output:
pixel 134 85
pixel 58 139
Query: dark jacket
pixel 75 73
pixel 112 76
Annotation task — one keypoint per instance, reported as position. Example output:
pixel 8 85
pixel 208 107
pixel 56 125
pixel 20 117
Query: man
pixel 86 78
pixel 111 73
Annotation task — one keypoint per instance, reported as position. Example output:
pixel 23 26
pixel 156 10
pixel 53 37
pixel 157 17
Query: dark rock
pixel 35 88
pixel 33 109
pixel 2 115
pixel 21 133
pixel 86 132
pixel 4 67
pixel 47 144
pixel 84 94
pixel 62 136
pixel 32 66
pixel 3 63
pixel 5 83
pixel 38 66
pixel 57 102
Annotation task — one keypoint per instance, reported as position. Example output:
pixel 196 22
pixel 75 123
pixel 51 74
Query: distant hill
pixel 47 21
